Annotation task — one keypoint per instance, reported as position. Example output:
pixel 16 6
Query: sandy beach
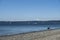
pixel 40 35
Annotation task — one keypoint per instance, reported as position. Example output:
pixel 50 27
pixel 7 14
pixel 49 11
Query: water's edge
pixel 28 32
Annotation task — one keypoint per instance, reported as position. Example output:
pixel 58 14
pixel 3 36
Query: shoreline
pixel 41 35
pixel 29 32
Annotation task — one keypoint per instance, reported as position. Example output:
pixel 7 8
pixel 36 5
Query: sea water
pixel 4 30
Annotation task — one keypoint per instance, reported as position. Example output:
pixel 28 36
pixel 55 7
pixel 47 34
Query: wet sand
pixel 40 35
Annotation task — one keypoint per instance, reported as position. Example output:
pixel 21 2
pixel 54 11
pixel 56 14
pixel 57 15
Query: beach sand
pixel 40 35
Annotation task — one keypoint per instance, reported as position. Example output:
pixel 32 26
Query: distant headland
pixel 50 22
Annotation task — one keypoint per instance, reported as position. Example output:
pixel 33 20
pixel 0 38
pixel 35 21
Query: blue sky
pixel 19 10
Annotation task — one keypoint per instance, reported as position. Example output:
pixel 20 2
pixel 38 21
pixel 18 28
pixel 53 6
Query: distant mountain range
pixel 51 22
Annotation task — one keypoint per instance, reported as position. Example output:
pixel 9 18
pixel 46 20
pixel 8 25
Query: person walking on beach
pixel 48 28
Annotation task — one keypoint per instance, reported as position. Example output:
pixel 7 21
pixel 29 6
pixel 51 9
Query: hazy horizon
pixel 29 10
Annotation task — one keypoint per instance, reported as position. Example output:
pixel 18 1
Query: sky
pixel 27 10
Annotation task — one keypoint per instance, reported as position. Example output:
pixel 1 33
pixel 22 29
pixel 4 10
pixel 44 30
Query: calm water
pixel 20 29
